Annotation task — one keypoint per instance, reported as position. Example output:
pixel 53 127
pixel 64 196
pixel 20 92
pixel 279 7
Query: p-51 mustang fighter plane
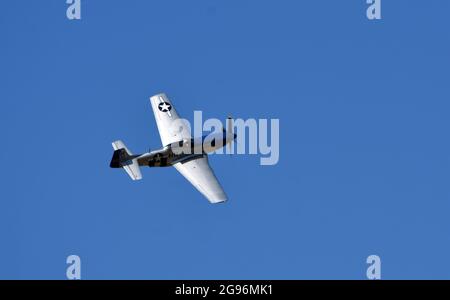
pixel 188 155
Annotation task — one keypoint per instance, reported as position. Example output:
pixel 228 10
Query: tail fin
pixel 123 158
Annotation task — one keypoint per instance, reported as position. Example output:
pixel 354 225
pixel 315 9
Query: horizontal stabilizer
pixel 123 158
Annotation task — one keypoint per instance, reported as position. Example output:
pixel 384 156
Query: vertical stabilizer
pixel 123 158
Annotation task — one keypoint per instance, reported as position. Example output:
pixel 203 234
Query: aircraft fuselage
pixel 184 150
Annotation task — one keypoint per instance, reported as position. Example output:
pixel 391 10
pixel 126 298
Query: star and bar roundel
pixel 164 106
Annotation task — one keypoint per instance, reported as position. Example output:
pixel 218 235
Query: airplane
pixel 188 155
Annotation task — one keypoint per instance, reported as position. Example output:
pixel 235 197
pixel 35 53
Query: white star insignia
pixel 165 107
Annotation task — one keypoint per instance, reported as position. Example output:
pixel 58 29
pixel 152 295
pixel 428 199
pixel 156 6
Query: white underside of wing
pixel 200 175
pixel 171 128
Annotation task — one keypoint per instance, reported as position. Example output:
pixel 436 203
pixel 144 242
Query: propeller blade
pixel 230 131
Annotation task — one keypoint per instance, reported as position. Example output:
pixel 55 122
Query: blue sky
pixel 364 150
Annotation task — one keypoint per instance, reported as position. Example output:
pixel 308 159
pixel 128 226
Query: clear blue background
pixel 364 146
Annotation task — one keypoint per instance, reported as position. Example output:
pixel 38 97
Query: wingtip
pixel 219 201
pixel 156 96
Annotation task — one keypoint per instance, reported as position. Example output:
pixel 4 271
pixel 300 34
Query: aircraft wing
pixel 200 175
pixel 171 128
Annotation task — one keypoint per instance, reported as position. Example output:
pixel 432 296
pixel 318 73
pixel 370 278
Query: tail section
pixel 123 158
